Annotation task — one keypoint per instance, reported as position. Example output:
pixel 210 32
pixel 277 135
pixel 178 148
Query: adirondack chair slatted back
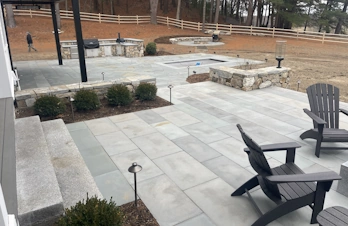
pixel 259 163
pixel 324 102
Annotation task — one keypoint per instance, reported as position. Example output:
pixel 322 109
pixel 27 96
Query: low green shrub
pixel 94 212
pixel 119 95
pixel 86 100
pixel 146 91
pixel 49 106
pixel 151 48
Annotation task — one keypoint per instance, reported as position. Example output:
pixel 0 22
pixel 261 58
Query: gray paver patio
pixel 191 165
pixel 192 154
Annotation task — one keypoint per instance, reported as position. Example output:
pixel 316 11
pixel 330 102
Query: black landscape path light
pixel 135 168
pixel 170 93
pixel 280 51
pixel 71 100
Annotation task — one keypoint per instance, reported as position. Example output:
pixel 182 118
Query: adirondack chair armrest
pixel 344 111
pixel 308 177
pixel 280 146
pixel 289 147
pixel 277 147
pixel 317 119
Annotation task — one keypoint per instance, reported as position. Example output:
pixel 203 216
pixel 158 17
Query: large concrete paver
pixel 184 170
pixel 170 130
pixel 156 145
pixel 135 128
pixel 196 148
pixel 113 184
pixel 101 126
pixel 125 160
pixel 116 142
pixel 167 203
pixel 215 200
pixel 229 171
pixel 201 220
pixel 205 133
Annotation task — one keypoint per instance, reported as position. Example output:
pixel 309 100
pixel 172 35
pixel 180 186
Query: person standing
pixel 30 42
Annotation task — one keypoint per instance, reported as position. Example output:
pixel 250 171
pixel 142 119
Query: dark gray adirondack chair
pixel 286 185
pixel 324 103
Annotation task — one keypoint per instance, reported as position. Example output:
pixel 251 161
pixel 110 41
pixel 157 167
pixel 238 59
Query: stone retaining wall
pixel 27 98
pixel 250 79
pixel 189 39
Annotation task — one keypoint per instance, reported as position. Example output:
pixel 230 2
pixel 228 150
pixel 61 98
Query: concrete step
pixel 39 199
pixel 74 178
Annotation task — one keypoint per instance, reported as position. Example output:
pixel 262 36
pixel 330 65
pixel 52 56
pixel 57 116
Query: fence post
pixel 251 29
pixel 198 27
pixel 99 18
pixel 217 27
pixel 137 20
pixel 182 24
pixel 273 32
pixel 118 17
pixel 322 41
pixel 231 28
pixel 31 16
pixel 297 35
pixel 167 21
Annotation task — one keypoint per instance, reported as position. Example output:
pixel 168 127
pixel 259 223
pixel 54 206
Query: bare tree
pixel 178 10
pixel 10 16
pixel 250 13
pixel 217 11
pixel 112 7
pixel 153 6
pixel 211 11
pixel 165 6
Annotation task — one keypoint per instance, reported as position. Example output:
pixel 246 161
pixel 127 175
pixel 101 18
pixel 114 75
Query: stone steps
pixel 39 199
pixel 73 176
pixel 51 173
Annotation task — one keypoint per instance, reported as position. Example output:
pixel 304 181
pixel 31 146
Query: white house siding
pixel 6 73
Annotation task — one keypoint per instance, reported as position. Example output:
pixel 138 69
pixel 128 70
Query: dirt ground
pixel 310 61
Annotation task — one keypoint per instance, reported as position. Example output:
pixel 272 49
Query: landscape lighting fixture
pixel 170 93
pixel 280 51
pixel 135 168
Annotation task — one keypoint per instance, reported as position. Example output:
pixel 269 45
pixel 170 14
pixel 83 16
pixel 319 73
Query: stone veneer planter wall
pixel 27 98
pixel 250 79
pixel 107 47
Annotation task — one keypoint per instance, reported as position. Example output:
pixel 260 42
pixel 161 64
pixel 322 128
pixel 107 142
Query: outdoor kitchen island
pixel 127 47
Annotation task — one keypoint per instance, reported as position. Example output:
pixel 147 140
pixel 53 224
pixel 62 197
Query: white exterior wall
pixel 5 219
pixel 6 73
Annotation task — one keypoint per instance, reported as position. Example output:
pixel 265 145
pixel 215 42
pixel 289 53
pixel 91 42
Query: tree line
pixel 326 16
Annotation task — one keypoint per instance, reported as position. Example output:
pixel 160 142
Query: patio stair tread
pixel 74 178
pixel 39 199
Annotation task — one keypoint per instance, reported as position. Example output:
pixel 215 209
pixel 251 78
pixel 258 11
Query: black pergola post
pixel 77 21
pixel 56 34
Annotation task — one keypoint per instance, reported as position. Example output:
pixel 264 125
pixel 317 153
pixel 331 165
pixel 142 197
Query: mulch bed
pixel 198 78
pixel 104 111
pixel 137 216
